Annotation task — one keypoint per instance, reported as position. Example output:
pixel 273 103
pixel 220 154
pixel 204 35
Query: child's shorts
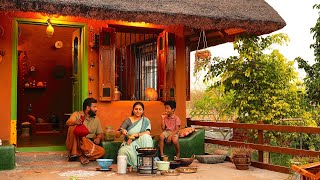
pixel 167 133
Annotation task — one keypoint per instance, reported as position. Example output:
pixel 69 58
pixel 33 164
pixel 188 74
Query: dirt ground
pixel 222 171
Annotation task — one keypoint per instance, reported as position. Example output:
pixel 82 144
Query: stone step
pixel 47 160
pixel 22 157
pixel 59 164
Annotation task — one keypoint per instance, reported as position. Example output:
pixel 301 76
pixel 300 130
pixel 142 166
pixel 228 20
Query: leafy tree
pixel 196 96
pixel 215 104
pixel 312 79
pixel 263 83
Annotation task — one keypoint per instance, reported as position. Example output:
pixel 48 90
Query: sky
pixel 299 16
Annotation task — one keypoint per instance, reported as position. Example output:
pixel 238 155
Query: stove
pixel 146 163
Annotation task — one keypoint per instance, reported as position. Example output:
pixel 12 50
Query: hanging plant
pixel 202 57
pixel 204 54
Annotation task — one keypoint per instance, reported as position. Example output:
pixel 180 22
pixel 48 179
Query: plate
pixel 187 169
pixel 58 44
pixel 99 169
pixel 147 167
pixel 170 173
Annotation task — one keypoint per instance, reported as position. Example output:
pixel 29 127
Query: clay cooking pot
pixel 185 161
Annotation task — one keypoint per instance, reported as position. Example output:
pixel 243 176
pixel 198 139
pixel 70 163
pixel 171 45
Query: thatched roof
pixel 255 16
pixel 223 16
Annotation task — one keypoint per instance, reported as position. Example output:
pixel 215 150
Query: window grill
pixel 136 64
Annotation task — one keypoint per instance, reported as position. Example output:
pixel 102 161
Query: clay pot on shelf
pixel 117 94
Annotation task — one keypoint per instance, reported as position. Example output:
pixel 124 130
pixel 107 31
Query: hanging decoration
pixel 203 56
pixel 50 29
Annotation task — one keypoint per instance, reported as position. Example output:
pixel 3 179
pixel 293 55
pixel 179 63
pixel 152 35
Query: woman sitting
pixel 136 130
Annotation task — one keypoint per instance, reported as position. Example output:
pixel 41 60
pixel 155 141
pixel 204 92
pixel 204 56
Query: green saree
pixel 143 141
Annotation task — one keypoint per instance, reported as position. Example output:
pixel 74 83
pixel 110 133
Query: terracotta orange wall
pixel 5 78
pixel 110 113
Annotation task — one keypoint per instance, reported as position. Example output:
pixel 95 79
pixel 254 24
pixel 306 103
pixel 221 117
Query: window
pixel 136 64
pixel 146 69
pixel 135 61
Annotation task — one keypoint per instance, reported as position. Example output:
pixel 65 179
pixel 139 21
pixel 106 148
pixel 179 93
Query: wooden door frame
pixel 83 65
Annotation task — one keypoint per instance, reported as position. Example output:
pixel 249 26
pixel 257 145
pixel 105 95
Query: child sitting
pixel 170 125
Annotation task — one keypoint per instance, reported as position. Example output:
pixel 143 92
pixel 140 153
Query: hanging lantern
pixel 50 29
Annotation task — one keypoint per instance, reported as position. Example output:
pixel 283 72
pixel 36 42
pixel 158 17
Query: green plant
pixel 215 104
pixel 312 80
pixel 300 160
pixel 241 152
pixel 262 79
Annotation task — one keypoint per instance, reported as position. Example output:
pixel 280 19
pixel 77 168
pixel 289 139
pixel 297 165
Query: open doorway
pixel 49 82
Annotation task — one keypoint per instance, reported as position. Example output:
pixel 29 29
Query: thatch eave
pixel 207 14
pixel 223 18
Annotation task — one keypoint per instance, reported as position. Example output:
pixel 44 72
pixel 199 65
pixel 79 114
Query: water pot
pixel 122 164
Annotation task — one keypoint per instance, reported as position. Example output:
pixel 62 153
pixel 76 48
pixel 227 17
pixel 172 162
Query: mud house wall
pixel 110 113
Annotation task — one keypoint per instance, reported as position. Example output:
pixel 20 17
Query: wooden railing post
pixel 260 141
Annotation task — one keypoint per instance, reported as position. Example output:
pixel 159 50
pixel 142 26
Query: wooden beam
pixel 266 127
pixel 212 42
pixel 135 29
pixel 209 34
pixel 267 148
pixel 271 167
pixel 196 33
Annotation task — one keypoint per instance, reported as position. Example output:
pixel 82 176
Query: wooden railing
pixel 260 146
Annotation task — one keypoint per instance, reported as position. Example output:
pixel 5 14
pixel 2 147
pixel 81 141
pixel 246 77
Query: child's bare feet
pixel 178 156
pixel 164 158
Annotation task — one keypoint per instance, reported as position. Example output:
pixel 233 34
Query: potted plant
pixel 202 59
pixel 241 157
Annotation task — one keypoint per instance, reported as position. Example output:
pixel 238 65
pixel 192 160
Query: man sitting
pixel 86 148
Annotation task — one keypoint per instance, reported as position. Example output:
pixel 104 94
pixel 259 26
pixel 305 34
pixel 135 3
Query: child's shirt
pixel 172 123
